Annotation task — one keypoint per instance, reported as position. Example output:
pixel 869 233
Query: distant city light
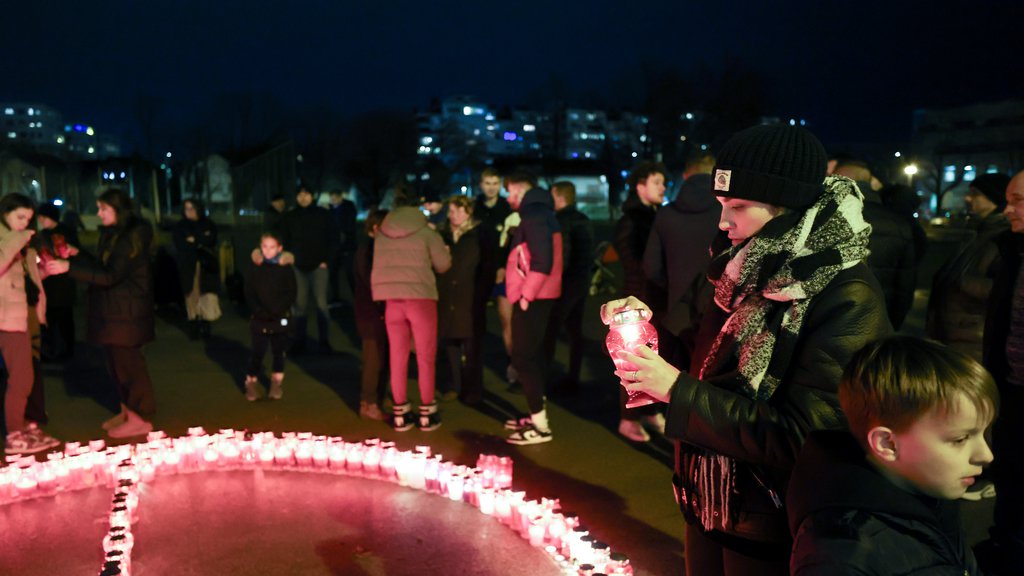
pixel 489 117
pixel 168 154
pixel 467 111
pixel 35 183
pixel 634 154
pixel 122 175
pixel 529 128
pixel 58 202
pixel 12 134
pixel 79 128
pixel 689 115
pixel 89 131
pixel 92 150
pixel 510 136
pixel 682 138
pixel 586 154
pixel 9 111
pixel 60 139
pixel 803 122
pixel 643 137
pixel 425 176
pixel 897 154
pixel 31 111
pixel 703 146
pixel 575 154
pixel 464 189
pixel 426 140
pixel 604 179
pixel 910 169
pixel 792 122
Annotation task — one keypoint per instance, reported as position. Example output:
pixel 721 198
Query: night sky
pixel 855 70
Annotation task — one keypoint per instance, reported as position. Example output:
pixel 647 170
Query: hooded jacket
pixel 406 254
pixel 679 249
pixel 846 518
pixel 534 265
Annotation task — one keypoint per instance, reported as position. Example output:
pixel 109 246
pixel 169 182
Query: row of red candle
pixel 486 486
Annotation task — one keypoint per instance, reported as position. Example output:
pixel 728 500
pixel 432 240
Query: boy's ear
pixel 882 442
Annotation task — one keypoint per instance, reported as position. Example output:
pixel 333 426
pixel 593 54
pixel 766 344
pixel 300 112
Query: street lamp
pixel 910 170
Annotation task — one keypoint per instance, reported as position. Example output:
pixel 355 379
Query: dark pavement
pixel 287 523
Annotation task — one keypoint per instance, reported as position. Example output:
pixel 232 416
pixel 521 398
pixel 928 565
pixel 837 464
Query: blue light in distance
pixel 509 136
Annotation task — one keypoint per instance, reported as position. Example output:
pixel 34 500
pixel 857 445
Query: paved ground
pixel 620 490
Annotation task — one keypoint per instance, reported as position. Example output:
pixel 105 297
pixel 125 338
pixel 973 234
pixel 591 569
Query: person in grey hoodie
pixel 406 254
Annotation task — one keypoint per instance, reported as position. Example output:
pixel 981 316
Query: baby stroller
pixel 602 280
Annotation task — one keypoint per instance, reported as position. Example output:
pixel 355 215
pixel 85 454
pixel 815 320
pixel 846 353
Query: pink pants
pixel 407 321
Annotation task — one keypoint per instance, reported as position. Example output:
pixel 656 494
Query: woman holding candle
pixel 18 270
pixel 793 301
pixel 121 316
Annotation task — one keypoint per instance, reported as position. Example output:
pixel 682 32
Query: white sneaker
pixel 633 430
pixel 654 422
pixel 529 435
pixel 134 425
pixel 252 389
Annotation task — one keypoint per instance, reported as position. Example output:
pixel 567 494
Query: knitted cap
pixel 776 164
pixel 993 186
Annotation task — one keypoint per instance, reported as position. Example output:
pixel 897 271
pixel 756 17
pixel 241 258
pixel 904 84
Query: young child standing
pixel 370 324
pixel 270 293
pixel 881 497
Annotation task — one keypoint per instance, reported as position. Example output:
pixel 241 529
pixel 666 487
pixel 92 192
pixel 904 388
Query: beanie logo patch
pixel 722 179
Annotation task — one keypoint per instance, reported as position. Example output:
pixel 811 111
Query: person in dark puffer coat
pixel 793 302
pixel 892 245
pixel 270 294
pixel 195 241
pixel 455 291
pixel 121 314
pixel 882 498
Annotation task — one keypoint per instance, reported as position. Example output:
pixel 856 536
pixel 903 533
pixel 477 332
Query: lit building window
pixel 92 150
pixel 529 128
pixel 60 139
pixel 9 111
pixel 31 111
pixel 643 137
pixel 426 140
pixel 509 136
pixel 89 131
pixel 12 134
pixel 969 173
pixel 31 124
pixel 949 174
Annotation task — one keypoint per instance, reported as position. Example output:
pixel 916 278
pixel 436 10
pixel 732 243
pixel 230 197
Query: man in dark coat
pixel 892 244
pixel 1003 351
pixel 677 257
pixel 578 247
pixel 490 210
pixel 309 233
pixel 646 193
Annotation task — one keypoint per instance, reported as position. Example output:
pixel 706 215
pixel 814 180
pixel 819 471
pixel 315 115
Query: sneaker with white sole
pixel 276 391
pixel 519 423
pixel 133 426
pixel 430 418
pixel 402 418
pixel 33 429
pixel 529 435
pixel 654 422
pixel 633 430
pixel 22 443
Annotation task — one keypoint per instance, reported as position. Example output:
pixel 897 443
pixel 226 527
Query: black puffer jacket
pixel 764 438
pixel 578 248
pixel 631 233
pixel 120 285
pixel 311 235
pixel 892 255
pixel 271 291
pixel 847 519
pixel 679 249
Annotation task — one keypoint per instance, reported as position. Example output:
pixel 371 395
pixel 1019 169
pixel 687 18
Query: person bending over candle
pixel 793 302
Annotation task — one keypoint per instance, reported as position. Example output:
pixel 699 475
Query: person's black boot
pixel 299 336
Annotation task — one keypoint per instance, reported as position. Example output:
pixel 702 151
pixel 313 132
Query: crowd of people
pixel 809 437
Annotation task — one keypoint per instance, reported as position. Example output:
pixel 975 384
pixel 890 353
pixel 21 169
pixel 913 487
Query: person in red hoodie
pixel 533 283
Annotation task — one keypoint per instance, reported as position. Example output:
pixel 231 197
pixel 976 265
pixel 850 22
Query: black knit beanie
pixel 776 164
pixel 993 186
